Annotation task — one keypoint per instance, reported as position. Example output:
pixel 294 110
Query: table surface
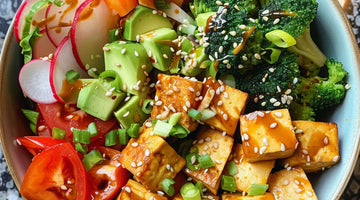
pixel 8 189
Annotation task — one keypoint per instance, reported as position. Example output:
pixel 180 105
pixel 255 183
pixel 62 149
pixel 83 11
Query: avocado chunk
pixel 96 100
pixel 130 60
pixel 131 112
pixel 202 19
pixel 144 20
pixel 158 52
pixel 192 66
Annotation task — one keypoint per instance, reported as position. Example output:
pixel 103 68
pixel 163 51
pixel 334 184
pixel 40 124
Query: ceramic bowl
pixel 332 33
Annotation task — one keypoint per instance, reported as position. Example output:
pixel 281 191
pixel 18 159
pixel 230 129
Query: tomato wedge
pixel 56 173
pixel 35 144
pixel 107 179
pixel 67 117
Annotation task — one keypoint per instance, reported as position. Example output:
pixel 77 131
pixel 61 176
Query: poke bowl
pixel 331 32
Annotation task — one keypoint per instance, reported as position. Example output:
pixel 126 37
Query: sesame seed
pixel 63 187
pixel 336 158
pixel 127 189
pixel 123 51
pixel 286 182
pixel 106 48
pixel 273 125
pixel 161 193
pixel 201 141
pixel 154 12
pixel 136 53
pixel 265 140
pixel 137 38
pixel 347 86
pixel 282 147
pixel 165 56
pixel 298 131
pixel 277 104
pixel 310 194
pixel 305 151
pixel 297 182
pixel 217 161
pixel 221 49
pixel 216 145
pixel 242 26
pixel 245 137
pixel 326 140
pixel 226 95
pixel 299 190
pixel 276 21
pixel 257 56
pixel 223 32
pixel 265 18
pixel 219 3
pixel 133 164
pixel 237 7
pixel 208 139
pixel 158 103
pixel 225 116
pixel 147 152
pixel 262 150
pixel 135 144
pixel 273 100
pixel 219 103
pixel 256 149
pixel 235 45
pixel 188 104
pixel 226 37
pixel 140 164
pixel 224 133
pixel 261 114
pixel 233 33
pixel 191 89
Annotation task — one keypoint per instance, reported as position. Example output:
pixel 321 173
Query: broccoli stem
pixel 306 47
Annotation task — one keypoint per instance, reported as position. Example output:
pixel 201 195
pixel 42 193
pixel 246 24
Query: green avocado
pixel 158 52
pixel 131 112
pixel 144 20
pixel 96 100
pixel 192 66
pixel 130 60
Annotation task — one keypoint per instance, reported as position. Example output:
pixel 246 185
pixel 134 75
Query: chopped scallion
pixel 58 133
pixel 111 138
pixel 133 130
pixel 162 129
pixel 72 76
pixel 194 114
pixel 228 183
pixel 174 118
pixel 280 38
pixel 92 129
pixel 31 115
pixel 92 158
pixel 207 114
pixel 232 168
pixel 179 131
pixel 258 189
pixel 147 106
pixel 191 159
pixel 205 161
pixel 82 148
pixel 168 186
pixel 123 136
pixel 274 56
pixel 114 78
pixel 189 192
pixel 82 136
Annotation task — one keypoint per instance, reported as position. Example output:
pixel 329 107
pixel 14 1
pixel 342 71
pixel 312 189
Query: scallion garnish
pixel 280 38
pixel 189 192
pixel 92 129
pixel 147 106
pixel 207 114
pixel 82 148
pixel 168 186
pixel 114 79
pixel 123 136
pixel 174 118
pixel 82 136
pixel 194 114
pixel 111 138
pixel 191 159
pixel 31 115
pixel 179 131
pixel 162 128
pixel 92 158
pixel 258 189
pixel 274 56
pixel 133 130
pixel 232 168
pixel 72 76
pixel 205 161
pixel 58 133
pixel 228 183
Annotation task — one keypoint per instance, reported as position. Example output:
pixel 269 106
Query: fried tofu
pixel 229 103
pixel 291 183
pixel 151 159
pixel 249 173
pixel 175 94
pixel 318 146
pixel 237 196
pixel 218 146
pixel 267 135
pixel 135 191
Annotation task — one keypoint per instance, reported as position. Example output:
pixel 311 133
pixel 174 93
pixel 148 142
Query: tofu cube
pixel 135 191
pixel 237 196
pixel 229 103
pixel 291 184
pixel 249 173
pixel 150 159
pixel 176 94
pixel 318 146
pixel 267 135
pixel 218 146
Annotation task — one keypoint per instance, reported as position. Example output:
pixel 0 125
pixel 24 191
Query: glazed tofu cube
pixel 267 135
pixel 176 94
pixel 229 103
pixel 135 191
pixel 249 173
pixel 291 184
pixel 150 159
pixel 218 147
pixel 237 196
pixel 318 146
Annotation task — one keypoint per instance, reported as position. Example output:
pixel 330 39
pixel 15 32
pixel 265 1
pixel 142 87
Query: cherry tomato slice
pixel 35 144
pixel 56 173
pixel 107 179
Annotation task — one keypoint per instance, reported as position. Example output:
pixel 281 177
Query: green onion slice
pixel 232 168
pixel 82 148
pixel 258 189
pixel 162 128
pixel 274 56
pixel 92 158
pixel 111 138
pixel 199 186
pixel 92 129
pixel 207 114
pixel 168 186
pixel 194 114
pixel 228 183
pixel 191 159
pixel 174 118
pixel 123 136
pixel 205 161
pixel 31 115
pixel 133 130
pixel 147 106
pixel 58 133
pixel 179 131
pixel 115 82
pixel 82 136
pixel 189 192
pixel 280 38
pixel 72 76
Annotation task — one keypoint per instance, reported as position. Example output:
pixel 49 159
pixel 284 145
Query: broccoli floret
pixel 203 6
pixel 301 112
pixel 294 17
pixel 271 86
pixel 233 40
pixel 322 93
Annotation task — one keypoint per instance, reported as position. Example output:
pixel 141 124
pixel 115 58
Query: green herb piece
pixel 111 138
pixel 147 106
pixel 189 192
pixel 228 183
pixel 194 114
pixel 162 128
pixel 82 136
pixel 205 161
pixel 179 131
pixel 123 136
pixel 72 76
pixel 232 168
pixel 92 129
pixel 133 130
pixel 82 148
pixel 207 114
pixel 58 133
pixel 280 38
pixel 174 118
pixel 92 158
pixel 258 189
pixel 31 115
pixel 168 186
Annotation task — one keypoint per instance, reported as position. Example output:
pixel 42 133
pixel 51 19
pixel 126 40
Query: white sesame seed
pixel 219 103
pixel 276 21
pixel 139 164
pixel 261 114
pixel 216 145
pixel 257 56
pixel 282 147
pixel 158 103
pixel 273 125
pixel 297 182
pixel 208 139
pixel 135 144
pixel 256 149
pixel 219 3
pixel 127 189
pixel 265 140
pixel 147 152
pixel 233 33
pixel 63 187
pixel 224 133
pixel 310 194
pixel 225 116
pixel 336 158
pixel 133 164
pixel 265 18
pixel 262 150
pixel 273 100
pixel 201 141
pixel 245 137
pixel 277 104
pixel 326 140
pixel 299 190
pixel 191 89
pixel 188 104
pixel 286 182
pixel 347 86
pixel 160 193
pixel 123 51
pixel 217 161
pixel 305 151
pixel 165 56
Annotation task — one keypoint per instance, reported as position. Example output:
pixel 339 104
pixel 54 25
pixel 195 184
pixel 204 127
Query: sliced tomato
pixel 66 117
pixel 35 144
pixel 123 7
pixel 107 179
pixel 56 173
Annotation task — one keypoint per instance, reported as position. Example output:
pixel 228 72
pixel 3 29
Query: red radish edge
pixel 17 20
pixel 41 84
pixel 46 27
pixel 45 48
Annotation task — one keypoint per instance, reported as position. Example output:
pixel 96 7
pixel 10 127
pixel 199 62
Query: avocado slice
pixel 131 112
pixel 192 66
pixel 144 20
pixel 98 101
pixel 130 60
pixel 160 53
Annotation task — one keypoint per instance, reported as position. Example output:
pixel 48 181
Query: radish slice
pixel 34 81
pixel 62 62
pixel 42 46
pixel 37 20
pixel 62 17
pixel 90 32
pixel 177 13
